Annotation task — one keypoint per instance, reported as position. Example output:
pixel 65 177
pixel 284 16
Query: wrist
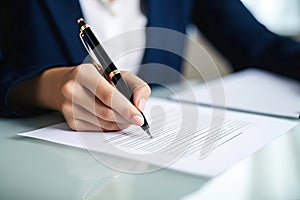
pixel 50 82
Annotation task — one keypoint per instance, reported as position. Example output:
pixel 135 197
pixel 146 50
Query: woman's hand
pixel 90 102
pixel 86 99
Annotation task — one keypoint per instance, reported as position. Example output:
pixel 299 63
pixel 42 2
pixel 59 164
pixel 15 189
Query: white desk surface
pixel 33 169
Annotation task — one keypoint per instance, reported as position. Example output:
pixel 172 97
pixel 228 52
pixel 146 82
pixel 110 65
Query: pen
pixel 110 71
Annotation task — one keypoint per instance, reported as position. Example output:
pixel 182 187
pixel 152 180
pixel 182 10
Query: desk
pixel 33 169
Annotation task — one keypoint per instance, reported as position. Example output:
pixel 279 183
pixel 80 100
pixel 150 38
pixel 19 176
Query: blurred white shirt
pixel 110 20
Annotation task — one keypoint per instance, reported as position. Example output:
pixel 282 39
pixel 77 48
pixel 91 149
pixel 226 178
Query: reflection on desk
pixel 34 169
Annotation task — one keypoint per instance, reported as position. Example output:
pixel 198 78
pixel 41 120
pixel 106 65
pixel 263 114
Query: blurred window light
pixel 279 16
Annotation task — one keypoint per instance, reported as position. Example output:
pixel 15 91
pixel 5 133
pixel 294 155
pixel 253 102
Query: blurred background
pixel 280 16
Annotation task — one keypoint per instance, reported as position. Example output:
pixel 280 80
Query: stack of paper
pixel 250 90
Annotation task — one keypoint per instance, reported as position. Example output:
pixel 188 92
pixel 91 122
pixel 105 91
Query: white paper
pixel 187 137
pixel 251 90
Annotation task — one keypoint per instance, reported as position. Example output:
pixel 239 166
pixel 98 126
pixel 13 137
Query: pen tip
pixel 148 132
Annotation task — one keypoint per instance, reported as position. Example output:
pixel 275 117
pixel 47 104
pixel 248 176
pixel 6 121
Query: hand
pixel 90 102
pixel 87 100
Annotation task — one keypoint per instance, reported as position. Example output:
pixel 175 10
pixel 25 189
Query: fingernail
pixel 141 104
pixel 138 120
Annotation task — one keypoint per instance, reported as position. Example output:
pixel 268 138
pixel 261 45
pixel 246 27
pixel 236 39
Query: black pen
pixel 110 71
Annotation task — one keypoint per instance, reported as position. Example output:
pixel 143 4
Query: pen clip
pixel 98 66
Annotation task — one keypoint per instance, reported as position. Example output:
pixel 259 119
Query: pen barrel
pixel 122 86
pixel 99 52
pixel 107 65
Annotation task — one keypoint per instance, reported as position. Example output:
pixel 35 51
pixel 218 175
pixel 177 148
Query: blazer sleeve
pixel 232 29
pixel 28 46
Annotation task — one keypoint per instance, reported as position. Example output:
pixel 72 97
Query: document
pixel 250 90
pixel 186 137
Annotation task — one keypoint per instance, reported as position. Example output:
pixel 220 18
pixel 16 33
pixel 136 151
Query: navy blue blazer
pixel 40 34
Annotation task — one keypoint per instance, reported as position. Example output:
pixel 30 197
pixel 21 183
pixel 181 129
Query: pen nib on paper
pixel 148 132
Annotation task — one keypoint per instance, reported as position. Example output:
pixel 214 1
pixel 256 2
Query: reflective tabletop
pixel 34 169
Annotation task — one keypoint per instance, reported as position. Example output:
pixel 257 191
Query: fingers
pixel 92 103
pixel 140 89
pixel 85 99
pixel 82 125
pixel 82 120
pixel 108 95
